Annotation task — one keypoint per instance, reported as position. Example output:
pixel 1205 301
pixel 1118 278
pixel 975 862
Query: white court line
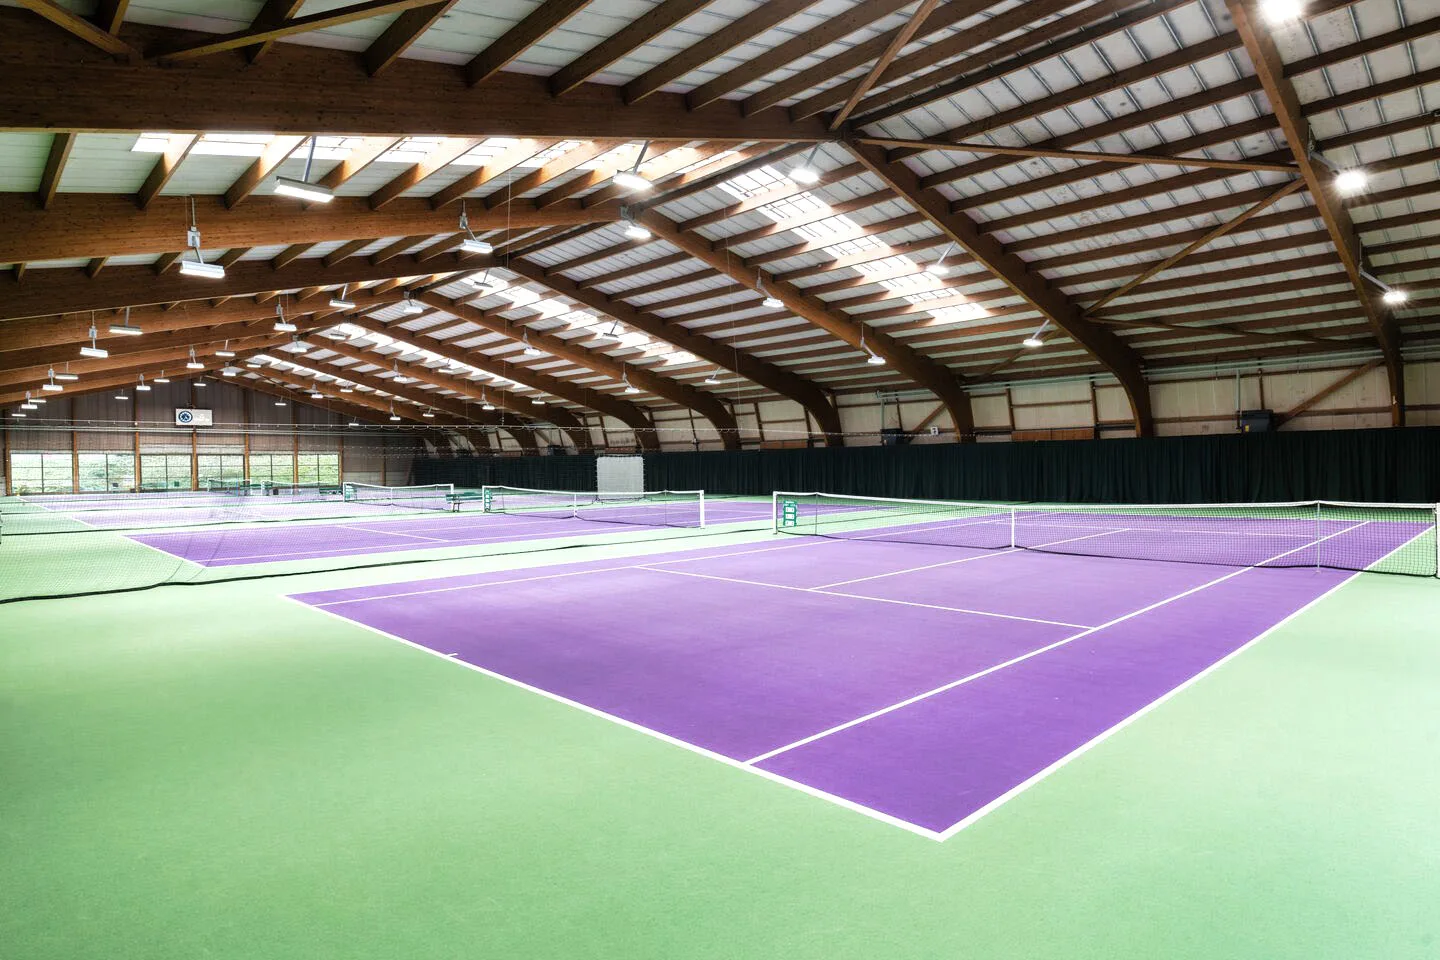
pixel 639 728
pixel 947 563
pixel 786 748
pixel 816 591
pixel 388 533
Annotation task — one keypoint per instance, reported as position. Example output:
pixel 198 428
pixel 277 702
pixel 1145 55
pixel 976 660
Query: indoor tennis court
pixel 719 479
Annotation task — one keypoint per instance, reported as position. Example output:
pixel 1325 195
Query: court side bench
pixel 455 500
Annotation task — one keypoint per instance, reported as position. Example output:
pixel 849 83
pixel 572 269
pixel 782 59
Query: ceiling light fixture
pixel 225 351
pixel 806 172
pixel 625 379
pixel 142 386
pixel 631 180
pixel 342 302
pixel 714 377
pixel 303 189
pixel 472 243
pixel 66 376
pixel 428 414
pixel 871 357
pixel 281 324
pixel 161 379
pixel 1036 339
pixel 194 364
pixel 530 351
pixel 1395 297
pixel 770 300
pixel 199 382
pixel 938 268
pixel 412 307
pixel 125 329
pixel 1281 11
pixel 633 229
pixel 99 353
pixel 198 267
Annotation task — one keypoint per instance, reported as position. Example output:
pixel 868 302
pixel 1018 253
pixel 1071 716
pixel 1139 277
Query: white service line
pixel 947 563
pixel 815 591
pixel 786 748
pixel 388 533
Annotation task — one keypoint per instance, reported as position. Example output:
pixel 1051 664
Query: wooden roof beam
pixel 631 414
pixel 421 98
pixel 1283 101
pixel 260 33
pixel 60 146
pixel 902 37
pixel 542 21
pixel 705 404
pixel 564 419
pixel 78 26
pixel 1058 309
pixel 635 34
pixel 82 225
pixel 804 392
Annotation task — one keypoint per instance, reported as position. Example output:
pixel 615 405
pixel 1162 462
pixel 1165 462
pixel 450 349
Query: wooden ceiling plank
pixel 634 35
pixel 558 167
pixel 401 35
pixel 360 157
pixel 540 23
pixel 497 166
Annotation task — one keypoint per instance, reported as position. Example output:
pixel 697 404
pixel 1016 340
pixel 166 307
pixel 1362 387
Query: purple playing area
pixel 919 683
pixel 228 546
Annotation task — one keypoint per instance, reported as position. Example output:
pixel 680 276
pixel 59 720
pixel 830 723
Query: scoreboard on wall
pixel 190 417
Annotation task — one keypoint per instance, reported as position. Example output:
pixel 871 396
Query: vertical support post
pixel 1316 538
pixel 1013 515
pixel 702 509
pixel 74 456
pixel 774 511
pixel 138 478
pixel 1437 537
pixel 194 447
pixel 5 466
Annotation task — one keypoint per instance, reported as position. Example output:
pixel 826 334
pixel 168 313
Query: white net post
pixel 1316 537
pixel 702 509
pixel 1437 540
pixel 775 511
pixel 1013 515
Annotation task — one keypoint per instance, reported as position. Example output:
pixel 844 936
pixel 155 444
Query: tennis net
pixel 425 496
pixel 654 508
pixel 1379 537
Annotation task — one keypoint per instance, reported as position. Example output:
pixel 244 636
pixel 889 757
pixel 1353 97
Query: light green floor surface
pixel 219 772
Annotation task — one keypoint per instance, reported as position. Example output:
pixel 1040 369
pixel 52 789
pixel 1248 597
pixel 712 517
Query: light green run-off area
pixel 219 772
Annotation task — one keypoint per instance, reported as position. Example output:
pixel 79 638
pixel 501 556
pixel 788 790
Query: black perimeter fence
pixel 1393 465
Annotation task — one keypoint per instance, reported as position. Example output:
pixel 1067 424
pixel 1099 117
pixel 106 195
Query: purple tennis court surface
pixel 920 683
pixel 355 536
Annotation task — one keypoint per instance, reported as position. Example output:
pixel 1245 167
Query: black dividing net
pixel 1378 537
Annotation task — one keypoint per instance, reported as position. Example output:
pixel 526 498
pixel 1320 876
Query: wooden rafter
pixel 175 153
pixel 294 26
pixel 110 14
pixel 705 404
pixel 436 160
pixel 273 14
pixel 1158 159
pixel 1013 272
pixel 1281 94
pixel 631 414
pixel 276 152
pixel 1229 225
pixel 78 26
pixel 734 33
pixel 638 32
pixel 403 31
pixel 549 16
pixel 60 146
pixel 920 369
pixel 558 167
pixel 903 36
pixel 804 392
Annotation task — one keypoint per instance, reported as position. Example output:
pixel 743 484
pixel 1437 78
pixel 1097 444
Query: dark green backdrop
pixel 1371 465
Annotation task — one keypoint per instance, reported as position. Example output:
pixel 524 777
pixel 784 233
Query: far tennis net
pixel 425 496
pixel 1379 537
pixel 652 508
